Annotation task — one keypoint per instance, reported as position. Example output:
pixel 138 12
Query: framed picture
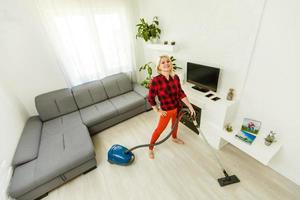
pixel 249 130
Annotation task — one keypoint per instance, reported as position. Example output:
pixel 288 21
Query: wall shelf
pixel 161 47
pixel 257 149
pixel 214 116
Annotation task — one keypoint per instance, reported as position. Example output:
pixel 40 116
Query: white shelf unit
pixel 214 116
pixel 161 47
pixel 257 149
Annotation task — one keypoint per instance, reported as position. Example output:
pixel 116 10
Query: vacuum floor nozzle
pixel 228 180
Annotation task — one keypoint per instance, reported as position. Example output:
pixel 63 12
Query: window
pixel 90 43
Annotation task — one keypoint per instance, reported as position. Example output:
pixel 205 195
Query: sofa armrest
pixel 28 146
pixel 144 93
pixel 140 90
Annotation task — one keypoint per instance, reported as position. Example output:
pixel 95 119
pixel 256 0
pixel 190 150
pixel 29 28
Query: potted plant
pixel 148 69
pixel 270 138
pixel 148 31
pixel 175 67
pixel 228 127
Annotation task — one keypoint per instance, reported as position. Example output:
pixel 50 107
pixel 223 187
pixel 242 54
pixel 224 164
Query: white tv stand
pixel 216 114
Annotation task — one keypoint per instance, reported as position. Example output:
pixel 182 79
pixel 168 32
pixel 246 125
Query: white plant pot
pixel 153 41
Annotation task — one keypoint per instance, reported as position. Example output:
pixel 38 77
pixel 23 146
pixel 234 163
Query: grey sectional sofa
pixel 56 146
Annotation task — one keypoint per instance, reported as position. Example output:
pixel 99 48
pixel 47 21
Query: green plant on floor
pixel 175 67
pixel 148 68
pixel 148 31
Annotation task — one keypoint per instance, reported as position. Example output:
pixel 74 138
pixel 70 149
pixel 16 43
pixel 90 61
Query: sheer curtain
pixel 92 38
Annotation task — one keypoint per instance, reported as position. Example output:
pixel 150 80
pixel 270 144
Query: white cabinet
pixel 216 114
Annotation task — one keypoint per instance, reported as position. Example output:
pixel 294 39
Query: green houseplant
pixel 148 69
pixel 148 31
pixel 175 67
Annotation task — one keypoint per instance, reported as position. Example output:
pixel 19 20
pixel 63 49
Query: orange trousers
pixel 162 124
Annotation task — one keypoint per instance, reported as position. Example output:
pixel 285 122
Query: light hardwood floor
pixel 177 172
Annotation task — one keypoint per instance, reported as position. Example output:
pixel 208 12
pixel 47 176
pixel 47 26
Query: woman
pixel 167 87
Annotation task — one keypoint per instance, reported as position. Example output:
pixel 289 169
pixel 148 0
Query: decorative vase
pixel 230 94
pixel 268 143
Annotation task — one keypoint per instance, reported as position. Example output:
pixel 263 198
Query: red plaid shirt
pixel 169 92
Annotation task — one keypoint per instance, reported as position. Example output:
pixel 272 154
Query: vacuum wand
pixel 227 180
pixel 120 155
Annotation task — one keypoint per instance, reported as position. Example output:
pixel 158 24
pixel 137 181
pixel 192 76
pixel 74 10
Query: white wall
pixel 215 32
pixel 271 92
pixel 209 32
pixel 27 64
pixel 223 33
pixel 12 119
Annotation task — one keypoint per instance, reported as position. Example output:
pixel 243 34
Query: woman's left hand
pixel 189 105
pixel 193 113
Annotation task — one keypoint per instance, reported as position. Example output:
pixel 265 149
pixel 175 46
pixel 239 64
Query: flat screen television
pixel 204 77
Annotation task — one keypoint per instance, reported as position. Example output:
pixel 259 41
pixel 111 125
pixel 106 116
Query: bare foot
pixel 177 140
pixel 151 154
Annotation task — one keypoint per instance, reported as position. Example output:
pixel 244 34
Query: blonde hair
pixel 172 73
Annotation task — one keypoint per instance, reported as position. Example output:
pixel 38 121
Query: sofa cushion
pixel 61 149
pixel 98 113
pixel 116 84
pixel 127 101
pixel 55 104
pixel 29 142
pixel 89 93
pixel 59 124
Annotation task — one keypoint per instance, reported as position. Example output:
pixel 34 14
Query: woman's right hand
pixel 162 113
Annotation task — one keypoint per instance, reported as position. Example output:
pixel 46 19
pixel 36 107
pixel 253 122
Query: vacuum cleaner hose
pixel 120 155
pixel 178 118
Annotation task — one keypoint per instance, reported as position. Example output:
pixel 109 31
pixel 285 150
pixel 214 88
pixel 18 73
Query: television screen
pixel 203 76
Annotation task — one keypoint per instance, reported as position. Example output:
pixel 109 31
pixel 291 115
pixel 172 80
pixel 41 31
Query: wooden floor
pixel 177 172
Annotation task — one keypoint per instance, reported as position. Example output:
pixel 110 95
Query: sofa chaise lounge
pixel 56 145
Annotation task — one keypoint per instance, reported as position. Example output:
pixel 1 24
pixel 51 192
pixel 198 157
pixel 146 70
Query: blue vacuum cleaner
pixel 121 155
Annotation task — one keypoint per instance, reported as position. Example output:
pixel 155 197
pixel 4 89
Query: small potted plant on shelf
pixel 149 32
pixel 228 127
pixel 270 138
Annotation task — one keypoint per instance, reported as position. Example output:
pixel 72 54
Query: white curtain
pixel 92 38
